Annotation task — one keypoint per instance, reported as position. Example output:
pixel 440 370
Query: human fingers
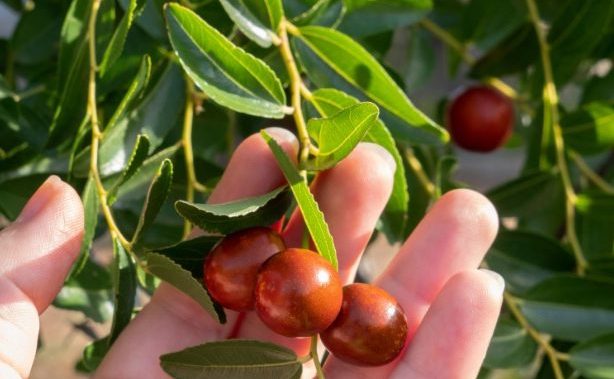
pixel 452 340
pixel 173 321
pixel 36 253
pixel 454 236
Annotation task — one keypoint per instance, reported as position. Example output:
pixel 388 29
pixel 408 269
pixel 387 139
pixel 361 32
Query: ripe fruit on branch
pixel 298 293
pixel 371 327
pixel 480 119
pixel 232 266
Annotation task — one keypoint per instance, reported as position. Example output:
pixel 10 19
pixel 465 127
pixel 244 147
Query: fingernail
pixel 500 282
pixel 382 153
pixel 40 199
pixel 281 134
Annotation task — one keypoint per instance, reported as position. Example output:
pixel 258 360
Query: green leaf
pixel 72 37
pixel 89 197
pixel 515 53
pixel 158 191
pixel 241 214
pixel 226 73
pixel 366 17
pixel 328 102
pixel 574 34
pixel 595 225
pixel 322 12
pixel 172 273
pixel 92 277
pixel 485 23
pixel 73 70
pixel 138 156
pixel 354 66
pixel 25 124
pixel 526 194
pixel 590 129
pixel 94 303
pixel 594 358
pixel 511 346
pixel 570 308
pixel 526 259
pixel 124 283
pixel 154 117
pixel 312 215
pixel 71 107
pixel 339 134
pixel 421 59
pixel 598 88
pixel 598 204
pixel 148 17
pixel 135 89
pixel 134 187
pixel 233 359
pixel 35 36
pixel 190 254
pixel 116 45
pixel 257 19
pixel 94 353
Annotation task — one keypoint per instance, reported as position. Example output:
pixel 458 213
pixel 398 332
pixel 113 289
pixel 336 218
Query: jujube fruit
pixel 480 119
pixel 298 293
pixel 371 327
pixel 231 267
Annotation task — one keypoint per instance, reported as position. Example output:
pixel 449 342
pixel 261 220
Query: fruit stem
pixel 296 83
pixel 313 351
pixel 551 124
pixel 590 174
pixel 92 111
pixel 461 49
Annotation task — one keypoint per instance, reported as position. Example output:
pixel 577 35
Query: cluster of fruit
pixel 298 293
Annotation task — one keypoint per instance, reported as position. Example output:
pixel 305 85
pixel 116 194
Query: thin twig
pixel 551 123
pixel 296 83
pixel 551 353
pixel 590 174
pixel 96 133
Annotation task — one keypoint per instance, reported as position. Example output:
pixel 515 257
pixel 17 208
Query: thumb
pixel 36 253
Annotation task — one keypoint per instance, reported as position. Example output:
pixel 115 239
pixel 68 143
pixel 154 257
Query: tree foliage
pixel 139 104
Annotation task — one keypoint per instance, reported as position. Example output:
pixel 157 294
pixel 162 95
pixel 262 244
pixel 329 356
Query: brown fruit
pixel 371 327
pixel 298 293
pixel 480 119
pixel 231 267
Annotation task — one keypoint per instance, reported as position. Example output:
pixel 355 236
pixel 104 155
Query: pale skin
pixel 451 305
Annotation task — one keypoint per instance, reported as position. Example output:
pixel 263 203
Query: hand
pixel 451 306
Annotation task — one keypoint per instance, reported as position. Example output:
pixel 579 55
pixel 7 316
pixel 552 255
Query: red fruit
pixel 232 266
pixel 298 293
pixel 480 119
pixel 370 329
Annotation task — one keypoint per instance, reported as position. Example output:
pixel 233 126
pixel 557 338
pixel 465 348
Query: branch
pixel 92 112
pixel 551 123
pixel 296 83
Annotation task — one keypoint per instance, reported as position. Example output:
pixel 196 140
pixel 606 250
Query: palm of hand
pixel 451 306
